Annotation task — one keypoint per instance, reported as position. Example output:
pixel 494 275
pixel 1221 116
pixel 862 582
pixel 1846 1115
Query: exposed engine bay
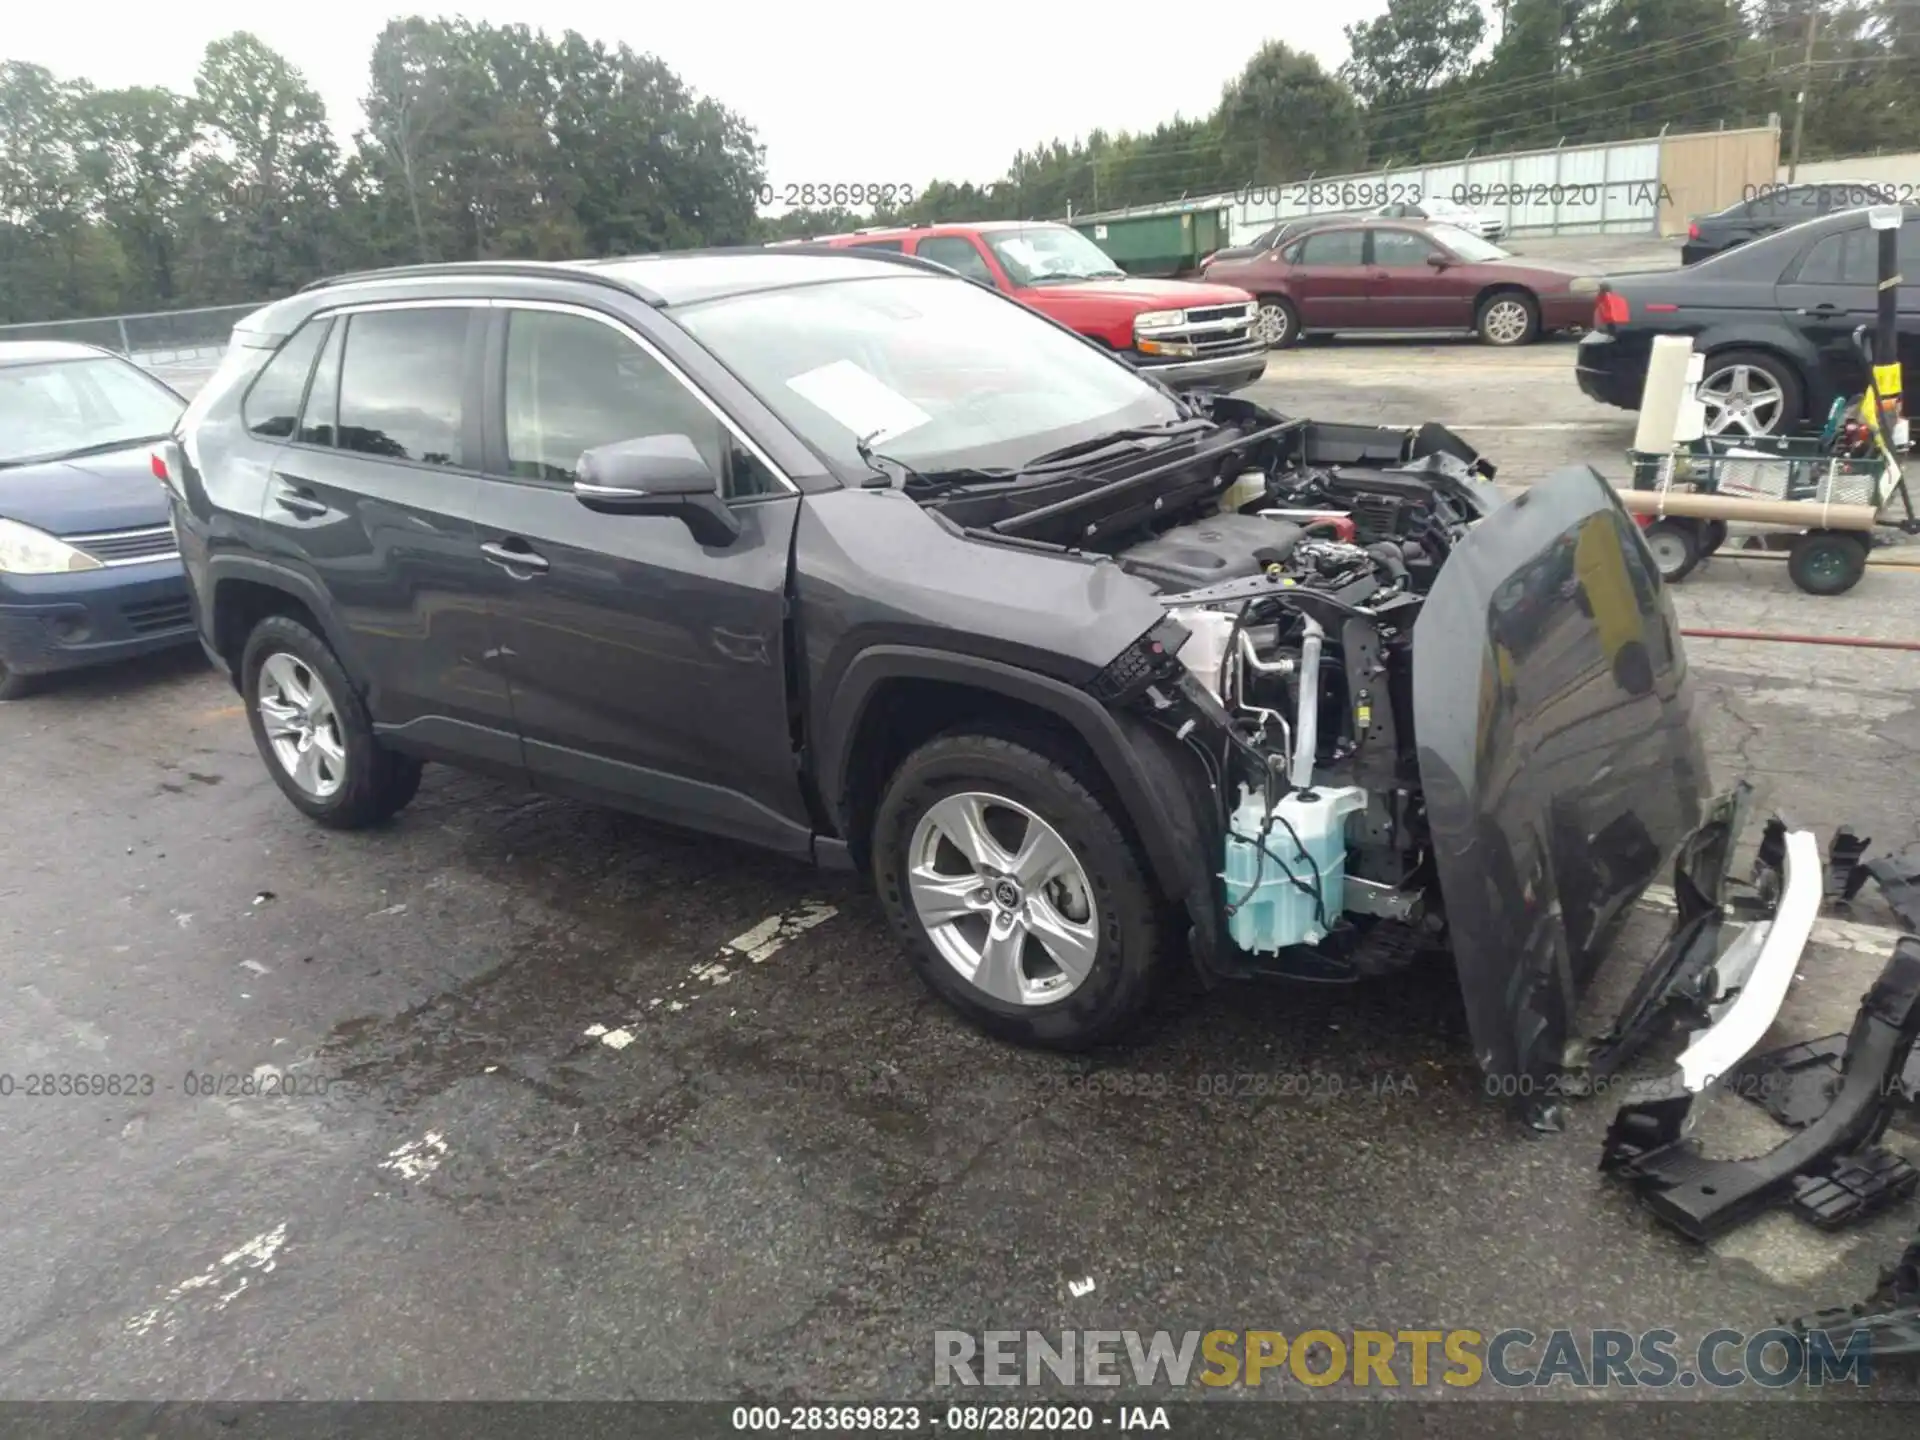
pixel 1293 558
pixel 1407 713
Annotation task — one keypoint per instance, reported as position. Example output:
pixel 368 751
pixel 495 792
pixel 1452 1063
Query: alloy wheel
pixel 1506 322
pixel 1742 400
pixel 1003 897
pixel 1271 324
pixel 302 724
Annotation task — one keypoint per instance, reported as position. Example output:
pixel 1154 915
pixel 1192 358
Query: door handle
pixel 300 500
pixel 1825 307
pixel 516 556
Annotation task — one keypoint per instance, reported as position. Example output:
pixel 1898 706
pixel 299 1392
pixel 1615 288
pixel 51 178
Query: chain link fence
pixel 157 339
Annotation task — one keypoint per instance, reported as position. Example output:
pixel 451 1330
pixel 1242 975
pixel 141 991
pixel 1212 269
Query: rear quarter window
pixel 272 406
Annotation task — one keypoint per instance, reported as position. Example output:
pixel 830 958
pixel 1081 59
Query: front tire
pixel 1508 318
pixel 1020 899
pixel 313 732
pixel 1276 322
pixel 15 686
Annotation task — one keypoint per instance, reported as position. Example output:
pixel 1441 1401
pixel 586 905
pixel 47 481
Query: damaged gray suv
pixel 842 556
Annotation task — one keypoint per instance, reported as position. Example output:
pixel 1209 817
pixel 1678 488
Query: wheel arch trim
pixel 1149 798
pixel 222 569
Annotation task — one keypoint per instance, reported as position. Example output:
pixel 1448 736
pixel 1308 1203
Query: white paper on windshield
pixel 1020 251
pixel 852 396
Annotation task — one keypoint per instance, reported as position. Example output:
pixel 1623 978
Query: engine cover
pixel 1205 552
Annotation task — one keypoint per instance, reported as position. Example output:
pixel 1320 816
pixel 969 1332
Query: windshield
pixel 1468 246
pixel 935 373
pixel 1050 252
pixel 58 407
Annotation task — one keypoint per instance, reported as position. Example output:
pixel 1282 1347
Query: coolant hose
pixel 1306 725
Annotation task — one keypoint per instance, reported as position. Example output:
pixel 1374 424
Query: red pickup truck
pixel 1185 334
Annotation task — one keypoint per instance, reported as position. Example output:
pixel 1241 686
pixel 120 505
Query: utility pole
pixel 1800 100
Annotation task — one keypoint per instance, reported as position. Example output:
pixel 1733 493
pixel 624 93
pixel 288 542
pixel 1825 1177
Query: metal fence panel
pixel 157 338
pixel 1570 190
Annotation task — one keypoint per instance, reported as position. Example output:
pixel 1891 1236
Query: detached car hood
pixel 114 491
pixel 1144 294
pixel 1558 754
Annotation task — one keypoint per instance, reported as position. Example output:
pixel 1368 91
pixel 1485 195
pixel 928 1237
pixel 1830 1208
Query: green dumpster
pixel 1170 243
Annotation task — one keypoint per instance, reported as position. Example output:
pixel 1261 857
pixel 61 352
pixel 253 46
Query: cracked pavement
pixel 543 1120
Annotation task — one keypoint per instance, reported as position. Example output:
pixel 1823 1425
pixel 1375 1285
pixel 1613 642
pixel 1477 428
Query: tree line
pixel 1429 80
pixel 484 140
pixel 480 141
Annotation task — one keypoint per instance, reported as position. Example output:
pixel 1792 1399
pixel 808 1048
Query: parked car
pixel 1446 211
pixel 836 554
pixel 1272 236
pixel 1186 334
pixel 1406 275
pixel 1774 319
pixel 89 571
pixel 1769 209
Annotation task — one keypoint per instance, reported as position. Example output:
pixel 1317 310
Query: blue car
pixel 89 569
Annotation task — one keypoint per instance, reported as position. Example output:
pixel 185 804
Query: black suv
pixel 840 555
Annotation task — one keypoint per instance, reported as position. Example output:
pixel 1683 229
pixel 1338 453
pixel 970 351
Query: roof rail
pixel 541 269
pixel 865 252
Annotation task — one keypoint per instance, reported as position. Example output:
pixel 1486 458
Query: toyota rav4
pixel 842 556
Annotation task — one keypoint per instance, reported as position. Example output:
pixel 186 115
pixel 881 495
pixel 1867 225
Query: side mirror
pixel 1437 260
pixel 656 475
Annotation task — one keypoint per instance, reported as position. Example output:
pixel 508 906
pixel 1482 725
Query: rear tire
pixel 1827 562
pixel 1713 534
pixel 1775 398
pixel 335 771
pixel 1676 548
pixel 1064 987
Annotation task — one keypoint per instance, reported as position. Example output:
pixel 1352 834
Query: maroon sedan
pixel 1400 275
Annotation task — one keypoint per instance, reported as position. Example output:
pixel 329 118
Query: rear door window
pixel 1332 247
pixel 894 245
pixel 402 384
pixel 272 406
pixel 1850 257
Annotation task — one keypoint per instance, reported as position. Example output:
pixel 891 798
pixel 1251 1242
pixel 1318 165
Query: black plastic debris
pixel 1646 1145
pixel 1795 1084
pixel 1857 1188
pixel 1845 872
pixel 1889 1317
pixel 1899 881
pixel 1680 982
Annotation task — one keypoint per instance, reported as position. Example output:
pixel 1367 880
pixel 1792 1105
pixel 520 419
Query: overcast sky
pixel 856 91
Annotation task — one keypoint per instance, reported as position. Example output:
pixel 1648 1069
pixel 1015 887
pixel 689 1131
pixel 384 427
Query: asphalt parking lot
pixel 560 1154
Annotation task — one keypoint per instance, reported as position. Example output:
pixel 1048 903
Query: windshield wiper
pixel 1053 459
pixel 1076 275
pixel 920 479
pixel 100 448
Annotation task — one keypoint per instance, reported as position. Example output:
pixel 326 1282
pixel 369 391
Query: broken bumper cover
pixel 1648 1147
